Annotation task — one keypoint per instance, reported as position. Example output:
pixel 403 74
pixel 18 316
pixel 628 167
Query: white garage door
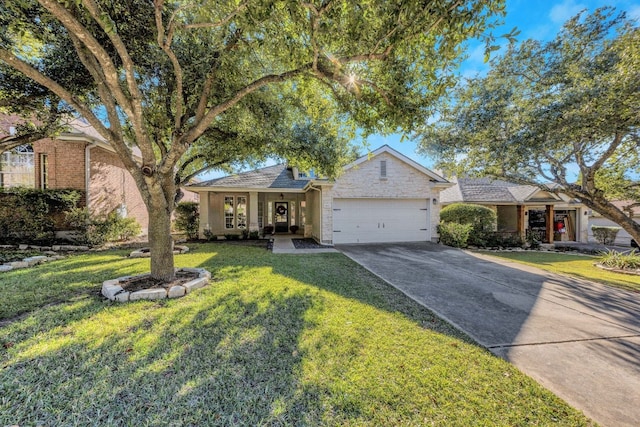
pixel 380 220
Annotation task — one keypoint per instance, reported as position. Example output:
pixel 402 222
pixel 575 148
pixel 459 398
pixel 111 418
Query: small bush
pixel 232 236
pixel 254 235
pixel 605 235
pixel 454 234
pixel 245 234
pixel 96 231
pixel 503 240
pixel 621 261
pixel 481 218
pixel 208 234
pixel 188 219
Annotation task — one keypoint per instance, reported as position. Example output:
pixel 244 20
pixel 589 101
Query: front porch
pixel 545 223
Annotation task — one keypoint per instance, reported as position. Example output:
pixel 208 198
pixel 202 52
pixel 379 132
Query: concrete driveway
pixel 579 339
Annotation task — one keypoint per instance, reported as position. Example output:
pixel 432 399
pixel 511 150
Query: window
pixel 383 169
pixel 228 212
pixel 17 168
pixel 260 215
pixel 303 207
pixel 44 171
pixel 292 209
pixel 241 212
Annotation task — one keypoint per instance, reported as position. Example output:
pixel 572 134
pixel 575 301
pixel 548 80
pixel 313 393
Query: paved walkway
pixel 282 244
pixel 579 339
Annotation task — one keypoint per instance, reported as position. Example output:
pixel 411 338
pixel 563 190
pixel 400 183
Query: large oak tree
pixel 201 82
pixel 563 115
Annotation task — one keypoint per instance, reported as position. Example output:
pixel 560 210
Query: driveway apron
pixel 579 339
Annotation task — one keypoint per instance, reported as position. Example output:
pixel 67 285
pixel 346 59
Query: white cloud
pixel 561 12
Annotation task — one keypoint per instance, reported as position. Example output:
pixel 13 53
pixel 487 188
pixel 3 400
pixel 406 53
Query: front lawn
pixel 581 266
pixel 274 340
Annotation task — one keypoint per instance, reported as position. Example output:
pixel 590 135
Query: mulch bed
pixel 306 244
pixel 139 283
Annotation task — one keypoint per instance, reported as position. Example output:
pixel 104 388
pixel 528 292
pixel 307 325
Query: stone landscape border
pixel 113 290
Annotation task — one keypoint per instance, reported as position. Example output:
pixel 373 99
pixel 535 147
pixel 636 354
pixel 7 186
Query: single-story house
pixel 622 238
pixel 524 209
pixel 78 158
pixel 381 197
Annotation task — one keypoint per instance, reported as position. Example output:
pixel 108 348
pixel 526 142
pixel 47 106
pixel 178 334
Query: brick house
pixel 79 159
pixel 381 197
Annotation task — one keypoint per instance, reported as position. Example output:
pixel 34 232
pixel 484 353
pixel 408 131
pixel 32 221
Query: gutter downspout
pixel 87 173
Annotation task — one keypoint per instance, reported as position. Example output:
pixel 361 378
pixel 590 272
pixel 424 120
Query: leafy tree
pixel 546 110
pixel 198 83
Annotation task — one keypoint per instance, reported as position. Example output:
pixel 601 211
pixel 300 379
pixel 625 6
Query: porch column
pixel 253 211
pixel 549 222
pixel 204 214
pixel 520 227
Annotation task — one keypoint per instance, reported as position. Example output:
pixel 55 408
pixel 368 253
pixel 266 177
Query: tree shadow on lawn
pixel 235 355
pixel 221 359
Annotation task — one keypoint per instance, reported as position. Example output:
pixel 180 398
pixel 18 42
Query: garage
pixel 380 220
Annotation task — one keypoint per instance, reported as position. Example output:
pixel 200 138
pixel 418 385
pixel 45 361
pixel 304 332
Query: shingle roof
pixel 487 190
pixel 274 177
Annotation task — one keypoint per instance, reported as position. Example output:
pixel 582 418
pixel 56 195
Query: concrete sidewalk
pixel 282 244
pixel 579 339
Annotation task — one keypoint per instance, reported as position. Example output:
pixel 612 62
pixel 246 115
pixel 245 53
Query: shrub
pixel 454 234
pixel 481 218
pixel 188 219
pixel 245 234
pixel 614 259
pixel 32 216
pixel 254 235
pixel 208 234
pixel 605 235
pixel 503 240
pixel 232 236
pixel 107 228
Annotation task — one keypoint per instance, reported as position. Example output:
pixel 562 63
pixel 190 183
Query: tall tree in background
pixel 210 80
pixel 547 110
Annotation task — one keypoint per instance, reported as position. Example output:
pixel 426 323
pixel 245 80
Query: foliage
pixel 268 230
pixel 208 234
pixel 323 342
pixel 503 240
pixel 31 215
pixel 605 235
pixel 97 230
pixel 544 107
pixel 254 235
pixel 225 83
pixel 232 236
pixel 621 260
pixel 188 219
pixel 481 218
pixel 454 234
pixel 16 255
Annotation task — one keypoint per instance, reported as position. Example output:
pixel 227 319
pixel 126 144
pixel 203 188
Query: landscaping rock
pixel 196 284
pixel 7 247
pixel 5 267
pixel 35 260
pixel 123 296
pixel 152 294
pixel 177 292
pixel 110 291
pixel 19 264
pixel 23 247
pixel 200 271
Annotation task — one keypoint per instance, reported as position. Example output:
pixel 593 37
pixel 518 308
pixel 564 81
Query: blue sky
pixel 536 19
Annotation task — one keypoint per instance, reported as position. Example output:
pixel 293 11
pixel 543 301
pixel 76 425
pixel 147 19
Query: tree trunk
pixel 611 212
pixel 160 240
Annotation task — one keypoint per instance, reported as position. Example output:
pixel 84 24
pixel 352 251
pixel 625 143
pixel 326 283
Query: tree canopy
pixel 196 83
pixel 564 115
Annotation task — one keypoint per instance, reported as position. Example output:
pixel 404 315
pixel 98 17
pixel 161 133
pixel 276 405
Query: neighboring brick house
pixel 80 159
pixel 381 197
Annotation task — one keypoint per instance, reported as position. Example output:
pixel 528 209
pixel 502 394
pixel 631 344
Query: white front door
pixel 380 220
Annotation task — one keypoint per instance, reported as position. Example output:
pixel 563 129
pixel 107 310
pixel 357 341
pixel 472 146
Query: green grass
pixel 581 266
pixel 274 340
